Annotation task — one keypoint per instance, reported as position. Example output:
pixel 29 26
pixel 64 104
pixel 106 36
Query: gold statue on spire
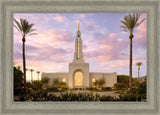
pixel 78 26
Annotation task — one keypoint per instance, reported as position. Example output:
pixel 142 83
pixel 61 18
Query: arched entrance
pixel 78 79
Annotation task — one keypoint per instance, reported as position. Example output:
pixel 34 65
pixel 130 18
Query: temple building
pixel 78 75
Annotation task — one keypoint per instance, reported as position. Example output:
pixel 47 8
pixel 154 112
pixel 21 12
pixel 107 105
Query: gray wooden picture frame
pixel 8 7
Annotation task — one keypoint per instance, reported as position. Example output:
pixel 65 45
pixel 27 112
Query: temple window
pixel 93 80
pixel 78 79
pixel 63 79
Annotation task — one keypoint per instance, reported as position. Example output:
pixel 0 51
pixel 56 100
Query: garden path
pixel 108 93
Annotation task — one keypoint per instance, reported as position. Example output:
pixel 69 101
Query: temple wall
pixel 110 78
pixel 59 75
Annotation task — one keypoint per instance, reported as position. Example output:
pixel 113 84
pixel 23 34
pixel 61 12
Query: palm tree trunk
pixel 31 78
pixel 24 64
pixel 38 76
pixel 138 74
pixel 130 65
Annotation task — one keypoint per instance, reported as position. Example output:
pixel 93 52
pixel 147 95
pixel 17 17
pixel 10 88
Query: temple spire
pixel 78 26
pixel 78 54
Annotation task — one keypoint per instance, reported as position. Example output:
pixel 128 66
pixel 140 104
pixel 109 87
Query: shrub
pixel 52 89
pixel 99 83
pixel 51 97
pixel 42 95
pixel 141 88
pixel 128 97
pixel 106 98
pixel 45 80
pixel 18 78
pixel 38 95
pixel 63 85
pixel 22 98
pixel 123 79
pixel 37 84
pixel 29 85
pixel 68 97
pixel 56 82
pixel 96 83
pixel 96 98
pixel 137 94
pixel 121 85
pixel 18 91
pixel 107 88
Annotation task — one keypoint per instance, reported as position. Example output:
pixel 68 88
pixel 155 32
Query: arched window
pixel 63 79
pixel 78 79
pixel 93 80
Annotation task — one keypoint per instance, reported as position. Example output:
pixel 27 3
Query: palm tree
pixel 38 74
pixel 31 75
pixel 129 23
pixel 138 64
pixel 25 28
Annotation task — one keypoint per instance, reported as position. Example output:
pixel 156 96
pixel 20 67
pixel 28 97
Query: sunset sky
pixel 105 46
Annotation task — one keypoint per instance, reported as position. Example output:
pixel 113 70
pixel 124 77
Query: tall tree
pixel 25 28
pixel 138 64
pixel 18 78
pixel 130 22
pixel 31 75
pixel 38 74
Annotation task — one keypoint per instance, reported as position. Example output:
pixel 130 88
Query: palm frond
pixel 130 22
pixel 140 22
pixel 17 28
pixel 32 30
pixel 18 25
pixel 32 34
pixel 124 27
pixel 124 30
pixel 24 27
pixel 139 63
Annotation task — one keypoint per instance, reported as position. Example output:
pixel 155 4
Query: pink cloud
pixel 50 38
pixel 118 64
pixel 59 18
pixel 109 49
pixel 82 15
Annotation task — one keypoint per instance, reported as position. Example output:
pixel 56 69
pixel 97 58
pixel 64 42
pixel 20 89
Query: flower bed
pixel 42 95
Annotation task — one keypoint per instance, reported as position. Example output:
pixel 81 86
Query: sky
pixel 105 46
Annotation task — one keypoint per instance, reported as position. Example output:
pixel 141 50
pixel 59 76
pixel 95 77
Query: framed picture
pixel 75 54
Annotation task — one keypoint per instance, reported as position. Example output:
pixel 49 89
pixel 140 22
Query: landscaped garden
pixel 40 90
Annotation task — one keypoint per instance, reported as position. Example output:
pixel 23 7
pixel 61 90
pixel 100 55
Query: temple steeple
pixel 78 26
pixel 78 54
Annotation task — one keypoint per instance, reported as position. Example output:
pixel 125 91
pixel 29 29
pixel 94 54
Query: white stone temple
pixel 78 75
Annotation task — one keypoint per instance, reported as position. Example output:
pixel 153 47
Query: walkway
pixel 108 93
